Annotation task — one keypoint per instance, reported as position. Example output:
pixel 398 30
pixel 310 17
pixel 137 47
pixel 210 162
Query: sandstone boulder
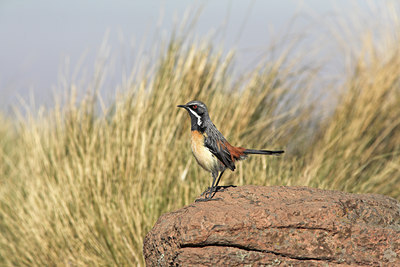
pixel 298 226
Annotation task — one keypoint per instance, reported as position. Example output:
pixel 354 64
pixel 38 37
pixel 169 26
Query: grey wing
pixel 218 148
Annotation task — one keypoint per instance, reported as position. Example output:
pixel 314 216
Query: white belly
pixel 203 156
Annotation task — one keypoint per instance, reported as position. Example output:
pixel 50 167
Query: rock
pixel 299 226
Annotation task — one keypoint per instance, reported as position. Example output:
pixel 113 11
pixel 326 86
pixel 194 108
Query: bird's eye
pixel 194 106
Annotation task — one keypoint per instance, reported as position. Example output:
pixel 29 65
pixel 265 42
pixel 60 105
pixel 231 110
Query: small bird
pixel 210 148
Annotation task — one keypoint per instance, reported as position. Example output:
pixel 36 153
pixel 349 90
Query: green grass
pixel 83 187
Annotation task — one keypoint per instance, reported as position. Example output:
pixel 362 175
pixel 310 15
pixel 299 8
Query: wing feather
pixel 220 149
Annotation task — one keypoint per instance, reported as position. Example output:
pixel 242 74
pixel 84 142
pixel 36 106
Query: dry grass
pixel 83 188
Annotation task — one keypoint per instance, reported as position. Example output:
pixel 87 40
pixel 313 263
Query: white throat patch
pixel 199 122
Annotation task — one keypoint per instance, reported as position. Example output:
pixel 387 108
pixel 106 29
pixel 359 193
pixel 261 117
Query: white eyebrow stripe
pixel 197 116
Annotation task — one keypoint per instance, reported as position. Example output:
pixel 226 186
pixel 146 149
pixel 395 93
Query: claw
pixel 211 191
pixel 208 194
pixel 206 191
pixel 223 187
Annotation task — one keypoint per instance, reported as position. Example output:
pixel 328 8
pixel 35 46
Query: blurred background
pixel 43 41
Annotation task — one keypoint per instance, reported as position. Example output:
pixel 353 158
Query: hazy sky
pixel 38 36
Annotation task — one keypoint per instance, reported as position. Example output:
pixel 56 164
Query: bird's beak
pixel 182 106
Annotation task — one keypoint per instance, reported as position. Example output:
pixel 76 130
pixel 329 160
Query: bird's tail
pixel 262 152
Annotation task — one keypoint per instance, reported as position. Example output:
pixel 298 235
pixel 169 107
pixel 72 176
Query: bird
pixel 210 148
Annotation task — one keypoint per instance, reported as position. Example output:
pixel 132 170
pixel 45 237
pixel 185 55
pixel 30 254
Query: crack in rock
pixel 285 255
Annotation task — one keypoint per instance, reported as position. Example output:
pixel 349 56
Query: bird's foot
pixel 208 194
pixel 211 190
pixel 207 191
pixel 223 187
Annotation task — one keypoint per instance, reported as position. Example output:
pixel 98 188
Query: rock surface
pixel 285 226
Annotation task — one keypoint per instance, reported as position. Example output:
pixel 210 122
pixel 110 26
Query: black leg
pixel 214 185
pixel 219 177
pixel 214 176
pixel 212 189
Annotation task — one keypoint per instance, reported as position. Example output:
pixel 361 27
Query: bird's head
pixel 198 113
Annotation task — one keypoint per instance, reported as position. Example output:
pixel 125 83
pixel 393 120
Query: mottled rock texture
pixel 285 226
